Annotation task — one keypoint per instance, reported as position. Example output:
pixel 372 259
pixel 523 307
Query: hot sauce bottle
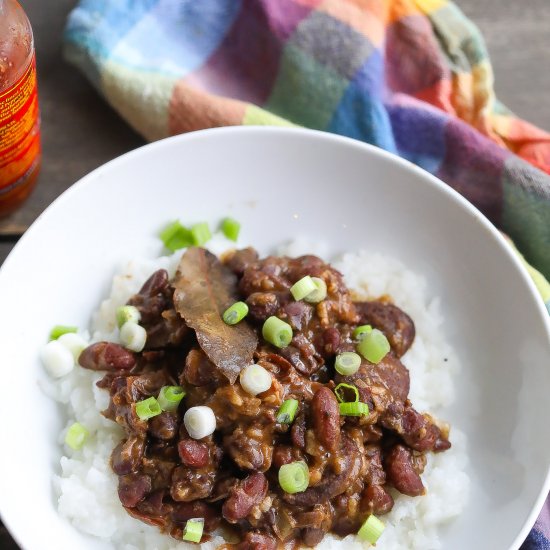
pixel 19 116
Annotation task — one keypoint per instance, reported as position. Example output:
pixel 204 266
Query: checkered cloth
pixel 410 76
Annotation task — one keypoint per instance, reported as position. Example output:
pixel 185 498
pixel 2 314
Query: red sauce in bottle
pixel 19 116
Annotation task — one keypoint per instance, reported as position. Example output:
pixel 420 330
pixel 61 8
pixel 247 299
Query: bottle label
pixel 19 131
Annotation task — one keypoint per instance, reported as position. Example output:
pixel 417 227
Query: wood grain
pixel 79 130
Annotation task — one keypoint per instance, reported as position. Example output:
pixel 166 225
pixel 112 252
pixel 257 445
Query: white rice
pixel 87 488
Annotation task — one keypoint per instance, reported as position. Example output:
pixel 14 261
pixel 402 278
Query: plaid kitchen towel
pixel 410 76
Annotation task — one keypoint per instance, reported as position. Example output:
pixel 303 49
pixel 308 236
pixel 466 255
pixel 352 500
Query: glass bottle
pixel 20 151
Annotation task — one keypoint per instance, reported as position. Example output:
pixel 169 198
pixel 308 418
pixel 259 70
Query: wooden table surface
pixel 81 132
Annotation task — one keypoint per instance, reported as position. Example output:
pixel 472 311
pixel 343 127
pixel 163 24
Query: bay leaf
pixel 204 289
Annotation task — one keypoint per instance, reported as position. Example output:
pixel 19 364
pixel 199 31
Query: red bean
pixel 133 488
pixel 164 426
pixel 298 432
pixel 193 454
pixel 298 314
pixel 326 418
pixel 249 452
pixel 376 500
pixel 254 540
pixel 401 473
pixel 441 444
pixel 126 456
pixel 419 432
pixel 282 454
pixel 241 259
pixel 106 356
pixel 153 504
pixel 190 484
pixel 156 283
pixel 331 341
pixel 312 536
pixel 199 370
pixel 244 496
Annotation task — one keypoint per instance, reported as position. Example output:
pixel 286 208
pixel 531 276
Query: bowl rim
pixel 308 134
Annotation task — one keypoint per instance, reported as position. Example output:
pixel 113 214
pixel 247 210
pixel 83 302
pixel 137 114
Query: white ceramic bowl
pixel 280 184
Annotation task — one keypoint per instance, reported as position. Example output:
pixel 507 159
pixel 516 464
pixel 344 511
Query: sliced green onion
pixel 255 379
pixel 74 343
pixel 371 530
pixel 59 330
pixel 374 346
pixel 127 314
pixel 294 477
pixel 169 397
pixel 148 408
pixel 340 392
pixel 354 409
pixel 57 359
pixel 361 331
pixel 133 336
pixel 193 530
pixel 347 363
pixel 199 421
pixel 277 332
pixel 76 436
pixel 235 313
pixel 176 236
pixel 319 294
pixel 200 233
pixel 303 288
pixel 231 228
pixel 287 411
